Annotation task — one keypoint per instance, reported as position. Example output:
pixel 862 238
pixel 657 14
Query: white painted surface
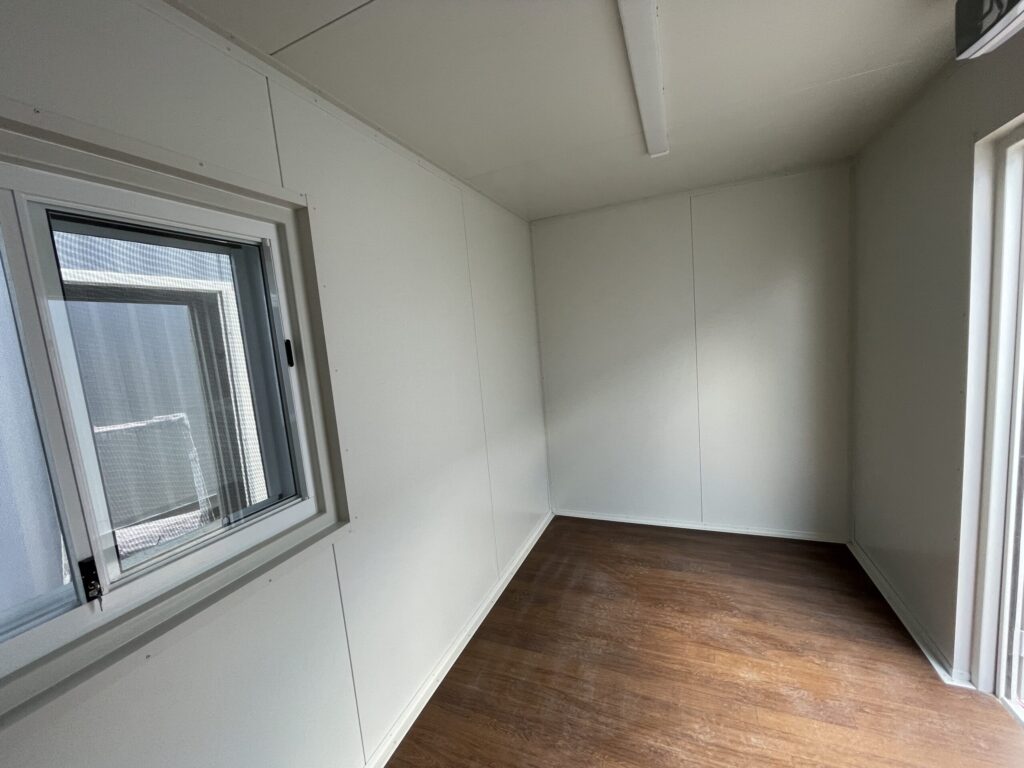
pixel 271 24
pixel 419 555
pixel 771 261
pixel 540 76
pixel 750 90
pixel 913 206
pixel 380 757
pixel 421 359
pixel 623 356
pixel 501 268
pixel 114 65
pixel 902 612
pixel 260 678
pixel 615 302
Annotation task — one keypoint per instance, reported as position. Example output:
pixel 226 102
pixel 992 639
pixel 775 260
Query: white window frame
pixel 995 414
pixel 77 197
pixel 160 593
pixel 1009 223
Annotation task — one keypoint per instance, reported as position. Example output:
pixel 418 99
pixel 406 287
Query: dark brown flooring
pixel 628 646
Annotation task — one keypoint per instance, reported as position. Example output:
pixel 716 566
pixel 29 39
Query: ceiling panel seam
pixel 322 26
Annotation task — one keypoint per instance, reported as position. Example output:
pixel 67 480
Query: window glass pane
pixel 34 568
pixel 174 349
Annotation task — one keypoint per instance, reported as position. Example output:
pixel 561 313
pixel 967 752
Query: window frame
pixel 14 272
pixel 1009 244
pixel 994 424
pixel 47 654
pixel 50 294
pixel 202 305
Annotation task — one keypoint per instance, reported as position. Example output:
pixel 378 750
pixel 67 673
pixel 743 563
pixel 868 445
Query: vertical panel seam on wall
pixel 348 649
pixel 851 357
pixel 480 380
pixel 696 362
pixel 273 127
pixel 540 367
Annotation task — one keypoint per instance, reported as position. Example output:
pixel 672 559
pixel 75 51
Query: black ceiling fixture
pixel 984 25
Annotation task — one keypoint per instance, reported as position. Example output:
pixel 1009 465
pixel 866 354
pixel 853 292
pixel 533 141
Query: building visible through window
pixel 173 346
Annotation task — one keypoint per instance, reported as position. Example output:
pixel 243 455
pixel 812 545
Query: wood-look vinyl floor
pixel 636 647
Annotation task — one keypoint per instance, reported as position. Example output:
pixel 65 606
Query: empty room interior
pixel 511 383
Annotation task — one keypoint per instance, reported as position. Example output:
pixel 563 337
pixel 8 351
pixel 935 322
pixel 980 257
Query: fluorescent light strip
pixel 640 29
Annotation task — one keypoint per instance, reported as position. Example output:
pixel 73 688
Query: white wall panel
pixel 501 269
pixel 417 369
pixel 260 678
pixel 763 448
pixel 771 263
pixel 114 65
pixel 615 301
pixel 418 557
pixel 913 206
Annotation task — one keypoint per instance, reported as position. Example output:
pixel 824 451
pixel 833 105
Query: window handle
pixel 289 356
pixel 90 579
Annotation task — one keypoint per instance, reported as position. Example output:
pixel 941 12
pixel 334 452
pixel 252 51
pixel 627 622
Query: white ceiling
pixel 531 102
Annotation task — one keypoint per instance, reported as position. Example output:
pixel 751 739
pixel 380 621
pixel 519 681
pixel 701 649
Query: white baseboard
pixel 697 525
pixel 1016 711
pixel 920 635
pixel 401 727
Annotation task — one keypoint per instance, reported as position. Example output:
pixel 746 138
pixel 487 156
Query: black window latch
pixel 90 579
